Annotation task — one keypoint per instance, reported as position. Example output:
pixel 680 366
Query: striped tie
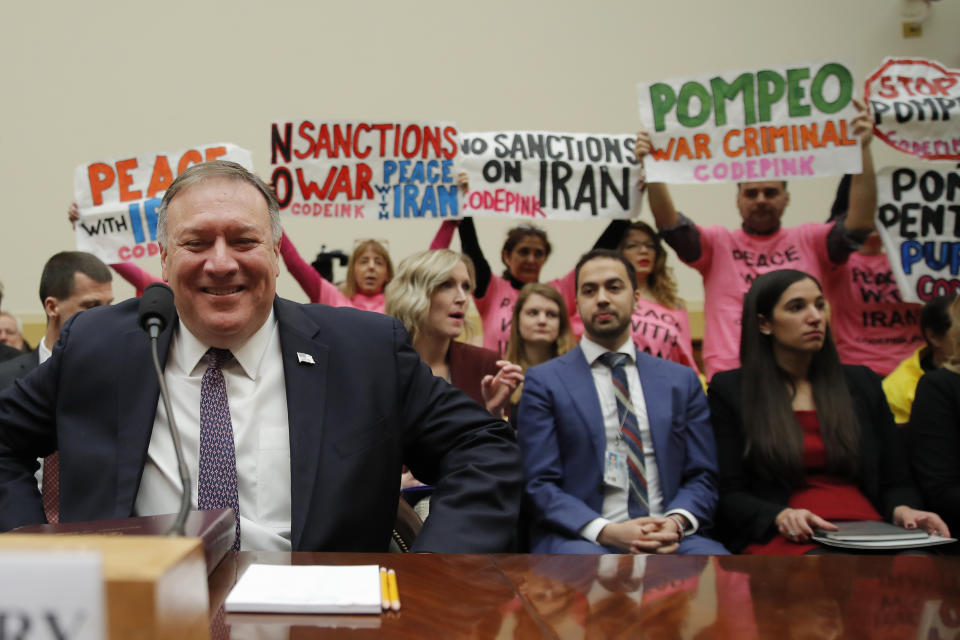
pixel 217 484
pixel 639 504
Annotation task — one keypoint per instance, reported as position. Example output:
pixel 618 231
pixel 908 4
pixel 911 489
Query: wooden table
pixel 637 597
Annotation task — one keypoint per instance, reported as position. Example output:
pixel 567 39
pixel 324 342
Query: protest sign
pixel 365 171
pixel 561 176
pixel 916 107
pixel 118 198
pixel 776 123
pixel 918 217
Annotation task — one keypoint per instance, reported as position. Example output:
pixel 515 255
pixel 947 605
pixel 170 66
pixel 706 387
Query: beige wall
pixel 97 79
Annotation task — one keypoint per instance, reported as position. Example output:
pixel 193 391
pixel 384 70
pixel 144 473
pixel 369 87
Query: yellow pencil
pixel 394 591
pixel 384 590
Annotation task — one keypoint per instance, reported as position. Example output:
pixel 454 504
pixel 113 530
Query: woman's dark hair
pixel 773 437
pixel 935 317
pixel 518 233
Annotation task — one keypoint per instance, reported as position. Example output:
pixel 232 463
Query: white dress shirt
pixel 258 412
pixel 616 498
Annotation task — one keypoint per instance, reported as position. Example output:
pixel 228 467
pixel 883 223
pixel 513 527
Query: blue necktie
pixel 638 504
pixel 217 483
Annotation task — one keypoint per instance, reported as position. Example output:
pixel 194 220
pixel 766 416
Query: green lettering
pixel 662 99
pixel 796 93
pixel 845 78
pixel 770 88
pixel 723 92
pixel 688 91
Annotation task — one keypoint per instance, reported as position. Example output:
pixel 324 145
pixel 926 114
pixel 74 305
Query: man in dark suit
pixel 617 446
pixel 312 409
pixel 71 281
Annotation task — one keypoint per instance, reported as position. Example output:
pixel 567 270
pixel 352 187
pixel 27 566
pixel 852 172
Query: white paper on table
pixel 265 588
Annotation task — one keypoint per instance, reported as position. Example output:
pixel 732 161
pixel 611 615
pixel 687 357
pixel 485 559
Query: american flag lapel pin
pixel 304 358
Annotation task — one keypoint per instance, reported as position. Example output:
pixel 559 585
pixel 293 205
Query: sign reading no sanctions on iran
pixel 365 170
pixel 562 176
pixel 918 217
pixel 118 198
pixel 916 107
pixel 776 123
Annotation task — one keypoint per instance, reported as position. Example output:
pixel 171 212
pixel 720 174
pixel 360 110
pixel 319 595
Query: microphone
pixel 156 309
pixel 155 314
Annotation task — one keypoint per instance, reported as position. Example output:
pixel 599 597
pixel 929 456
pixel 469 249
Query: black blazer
pixel 18 367
pixel 750 503
pixel 365 405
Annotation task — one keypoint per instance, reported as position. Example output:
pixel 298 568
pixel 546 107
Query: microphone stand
pixel 178 526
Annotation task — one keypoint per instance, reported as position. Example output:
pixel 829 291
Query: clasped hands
pixel 648 534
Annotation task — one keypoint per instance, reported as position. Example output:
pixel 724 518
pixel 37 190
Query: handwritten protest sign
pixel 918 217
pixel 365 171
pixel 916 107
pixel 118 198
pixel 777 123
pixel 537 174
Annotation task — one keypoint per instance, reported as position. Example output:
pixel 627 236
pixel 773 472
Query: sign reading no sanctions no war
pixel 918 217
pixel 761 124
pixel 365 171
pixel 916 107
pixel 118 198
pixel 539 174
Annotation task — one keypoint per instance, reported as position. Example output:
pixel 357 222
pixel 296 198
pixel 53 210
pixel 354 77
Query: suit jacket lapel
pixel 656 396
pixel 138 392
pixel 578 380
pixel 306 386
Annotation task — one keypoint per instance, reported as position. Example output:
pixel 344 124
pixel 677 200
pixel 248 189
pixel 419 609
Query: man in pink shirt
pixel 730 259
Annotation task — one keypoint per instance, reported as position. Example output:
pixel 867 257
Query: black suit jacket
pixel 8 353
pixel 367 405
pixel 18 367
pixel 749 503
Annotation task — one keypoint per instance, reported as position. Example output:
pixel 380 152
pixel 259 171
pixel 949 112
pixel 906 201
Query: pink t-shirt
pixel 496 308
pixel 870 323
pixel 318 288
pixel 658 330
pixel 729 262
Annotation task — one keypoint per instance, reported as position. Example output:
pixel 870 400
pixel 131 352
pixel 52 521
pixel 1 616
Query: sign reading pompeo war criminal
pixel 772 123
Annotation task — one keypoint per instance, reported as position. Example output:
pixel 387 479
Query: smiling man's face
pixel 221 260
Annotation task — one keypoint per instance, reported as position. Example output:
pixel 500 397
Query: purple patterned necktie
pixel 217 484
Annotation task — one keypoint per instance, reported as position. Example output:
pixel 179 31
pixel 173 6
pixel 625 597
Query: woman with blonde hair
pixel 430 295
pixel 540 329
pixel 368 272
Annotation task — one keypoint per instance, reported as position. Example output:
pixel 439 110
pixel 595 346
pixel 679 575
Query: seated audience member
pixel 11 332
pixel 7 352
pixel 617 448
pixel 660 325
pixel 339 395
pixel 870 323
pixel 802 439
pixel 524 253
pixel 430 295
pixel 136 276
pixel 71 282
pixel 716 252
pixel 539 331
pixel 368 272
pixel 934 431
pixel 901 385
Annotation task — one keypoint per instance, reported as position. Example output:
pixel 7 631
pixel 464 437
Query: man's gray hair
pixel 211 171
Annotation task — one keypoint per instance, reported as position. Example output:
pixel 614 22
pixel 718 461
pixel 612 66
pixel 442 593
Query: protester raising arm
pixel 139 278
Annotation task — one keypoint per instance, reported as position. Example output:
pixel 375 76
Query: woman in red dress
pixel 801 439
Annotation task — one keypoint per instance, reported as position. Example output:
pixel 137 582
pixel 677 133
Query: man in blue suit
pixel 618 450
pixel 301 415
